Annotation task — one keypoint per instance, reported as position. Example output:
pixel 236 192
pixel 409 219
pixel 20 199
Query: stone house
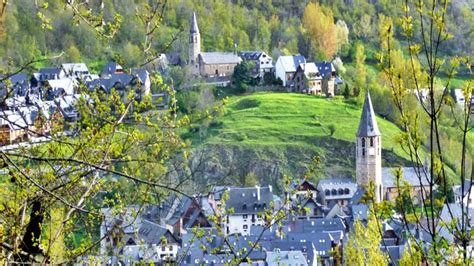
pixel 13 127
pixel 330 80
pixel 217 64
pixel 307 79
pixel 410 175
pixel 208 64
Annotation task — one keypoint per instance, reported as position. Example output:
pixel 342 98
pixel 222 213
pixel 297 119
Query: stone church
pixel 209 64
pixel 369 161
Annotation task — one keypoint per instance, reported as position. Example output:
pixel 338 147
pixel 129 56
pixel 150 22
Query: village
pixel 212 228
pixel 215 227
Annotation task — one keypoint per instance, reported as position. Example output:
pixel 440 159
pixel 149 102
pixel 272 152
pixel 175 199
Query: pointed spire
pixel 194 24
pixel 368 125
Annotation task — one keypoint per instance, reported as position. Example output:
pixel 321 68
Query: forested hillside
pixel 278 27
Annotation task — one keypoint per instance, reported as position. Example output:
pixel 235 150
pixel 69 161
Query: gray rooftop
pixel 216 58
pixel 325 68
pixel 294 257
pixel 368 125
pixel 250 199
pixel 410 174
pixel 194 25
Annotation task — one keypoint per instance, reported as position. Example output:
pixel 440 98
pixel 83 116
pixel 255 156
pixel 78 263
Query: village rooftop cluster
pixel 31 104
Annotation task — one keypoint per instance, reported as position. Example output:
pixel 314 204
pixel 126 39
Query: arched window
pixel 327 192
pixel 340 191
pixel 244 207
pixel 334 191
pixel 346 191
pixel 371 142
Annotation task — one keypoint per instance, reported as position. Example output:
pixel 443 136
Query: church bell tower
pixel 194 45
pixel 369 151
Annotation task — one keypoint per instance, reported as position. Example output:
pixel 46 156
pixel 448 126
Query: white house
pixel 263 62
pixel 246 203
pixel 286 66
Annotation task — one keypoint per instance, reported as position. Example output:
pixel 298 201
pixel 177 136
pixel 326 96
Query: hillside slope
pixel 271 134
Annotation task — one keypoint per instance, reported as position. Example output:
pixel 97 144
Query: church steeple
pixel 194 45
pixel 369 150
pixel 368 125
pixel 194 25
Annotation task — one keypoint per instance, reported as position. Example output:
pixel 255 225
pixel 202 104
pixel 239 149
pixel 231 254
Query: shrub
pixel 246 104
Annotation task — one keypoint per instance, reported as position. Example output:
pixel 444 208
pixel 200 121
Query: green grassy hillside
pixel 264 131
pixel 290 119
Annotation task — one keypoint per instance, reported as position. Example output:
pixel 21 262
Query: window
pixel 363 143
pixel 245 227
pixel 363 152
pixel 244 207
pixel 163 248
pixel 371 142
pixel 244 216
pixel 327 192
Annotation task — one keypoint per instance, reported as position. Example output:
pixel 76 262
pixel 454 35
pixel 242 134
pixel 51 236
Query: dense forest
pixel 350 30
pixel 278 27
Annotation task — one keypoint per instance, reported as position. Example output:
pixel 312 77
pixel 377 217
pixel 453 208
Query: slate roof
pixel 310 71
pixel 395 252
pixel 325 68
pixel 108 83
pixel 286 245
pixel 250 55
pixel 322 241
pixel 75 69
pixel 111 68
pixel 217 58
pixel 244 200
pixel 337 187
pixel 152 233
pixel 29 114
pixel 409 174
pixel 360 212
pixel 18 78
pixel 467 187
pixel 294 257
pixel 141 73
pixel 194 25
pixel 314 225
pixel 357 196
pixel 45 73
pixel 291 63
pixel 65 84
pixel 14 120
pixel 368 125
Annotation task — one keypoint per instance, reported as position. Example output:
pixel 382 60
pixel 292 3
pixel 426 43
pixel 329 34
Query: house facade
pixel 330 80
pixel 263 62
pixel 307 79
pixel 247 205
pixel 285 68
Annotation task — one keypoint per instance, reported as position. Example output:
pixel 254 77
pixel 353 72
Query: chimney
pixel 258 192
